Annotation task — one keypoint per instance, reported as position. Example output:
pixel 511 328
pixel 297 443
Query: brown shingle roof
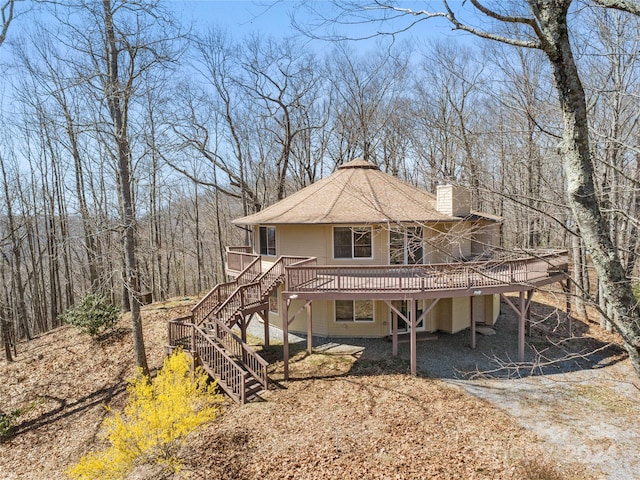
pixel 358 192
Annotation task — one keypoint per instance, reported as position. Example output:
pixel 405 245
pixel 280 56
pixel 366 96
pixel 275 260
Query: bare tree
pixel 449 111
pixel 117 45
pixel 365 91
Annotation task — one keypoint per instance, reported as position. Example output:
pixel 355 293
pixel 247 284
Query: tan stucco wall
pixel 317 241
pixel 454 314
pixel 485 235
pixel 443 242
pixel 496 308
pixel 450 315
pixel 303 240
pixel 459 239
pixel 324 323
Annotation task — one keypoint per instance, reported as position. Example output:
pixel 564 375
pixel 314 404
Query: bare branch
pixel 542 361
pixel 492 36
pixel 622 5
pixel 7 12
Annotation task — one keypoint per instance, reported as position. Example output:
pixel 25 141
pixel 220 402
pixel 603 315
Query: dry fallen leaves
pixel 338 418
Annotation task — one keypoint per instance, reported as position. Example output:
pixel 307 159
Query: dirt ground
pixel 343 415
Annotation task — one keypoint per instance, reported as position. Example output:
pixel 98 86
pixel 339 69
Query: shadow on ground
pixel 551 348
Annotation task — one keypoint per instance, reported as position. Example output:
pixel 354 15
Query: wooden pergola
pixel 307 281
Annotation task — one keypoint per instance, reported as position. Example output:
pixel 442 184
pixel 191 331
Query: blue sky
pixel 272 18
pixel 241 17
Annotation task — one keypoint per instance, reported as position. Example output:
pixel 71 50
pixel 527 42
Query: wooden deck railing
pixel 180 333
pixel 248 296
pixel 275 274
pixel 222 291
pixel 231 377
pixel 240 248
pixel 307 276
pixel 239 260
pixel 245 297
pixel 236 347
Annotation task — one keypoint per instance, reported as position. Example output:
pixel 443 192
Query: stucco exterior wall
pixel 450 315
pixel 324 322
pixel 443 242
pixel 304 240
pixel 496 308
pixel 459 240
pixel 485 235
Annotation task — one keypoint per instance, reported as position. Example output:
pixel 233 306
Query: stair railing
pixel 231 377
pixel 251 295
pixel 222 291
pixel 233 344
pixel 275 274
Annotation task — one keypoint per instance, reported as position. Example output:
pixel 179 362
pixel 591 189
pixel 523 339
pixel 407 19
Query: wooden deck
pixel 308 280
pixel 502 272
pixel 499 274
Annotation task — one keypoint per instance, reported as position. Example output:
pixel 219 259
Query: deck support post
pixel 394 333
pixel 309 329
pixel 528 310
pixel 243 328
pixel 414 324
pixel 567 291
pixel 522 313
pixel 265 318
pixel 473 324
pixel 521 329
pixel 193 339
pixel 285 336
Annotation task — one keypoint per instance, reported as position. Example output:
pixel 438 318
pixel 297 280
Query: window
pixel 406 246
pixel 268 241
pixel 273 301
pixel 351 242
pixel 354 311
pixel 396 247
pixel 415 250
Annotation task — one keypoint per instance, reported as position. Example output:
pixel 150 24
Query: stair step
pixel 252 391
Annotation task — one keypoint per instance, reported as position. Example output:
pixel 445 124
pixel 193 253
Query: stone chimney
pixel 453 200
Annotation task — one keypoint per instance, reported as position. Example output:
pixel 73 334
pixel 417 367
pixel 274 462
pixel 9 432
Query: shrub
pixel 155 422
pixel 94 316
pixel 7 422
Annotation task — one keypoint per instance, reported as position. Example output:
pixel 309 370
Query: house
pixel 362 253
pixel 360 216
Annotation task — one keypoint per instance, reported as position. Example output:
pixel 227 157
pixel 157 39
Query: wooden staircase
pixel 207 333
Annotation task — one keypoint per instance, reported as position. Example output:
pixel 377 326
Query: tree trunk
pixel 5 334
pixel 16 259
pixel 118 102
pixel 577 278
pixel 575 151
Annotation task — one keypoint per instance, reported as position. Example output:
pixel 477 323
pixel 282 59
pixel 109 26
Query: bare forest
pixel 129 140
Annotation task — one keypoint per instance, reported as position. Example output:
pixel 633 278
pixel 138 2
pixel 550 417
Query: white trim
pixel 352 227
pixel 353 320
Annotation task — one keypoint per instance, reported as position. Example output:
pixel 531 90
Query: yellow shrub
pixel 158 416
